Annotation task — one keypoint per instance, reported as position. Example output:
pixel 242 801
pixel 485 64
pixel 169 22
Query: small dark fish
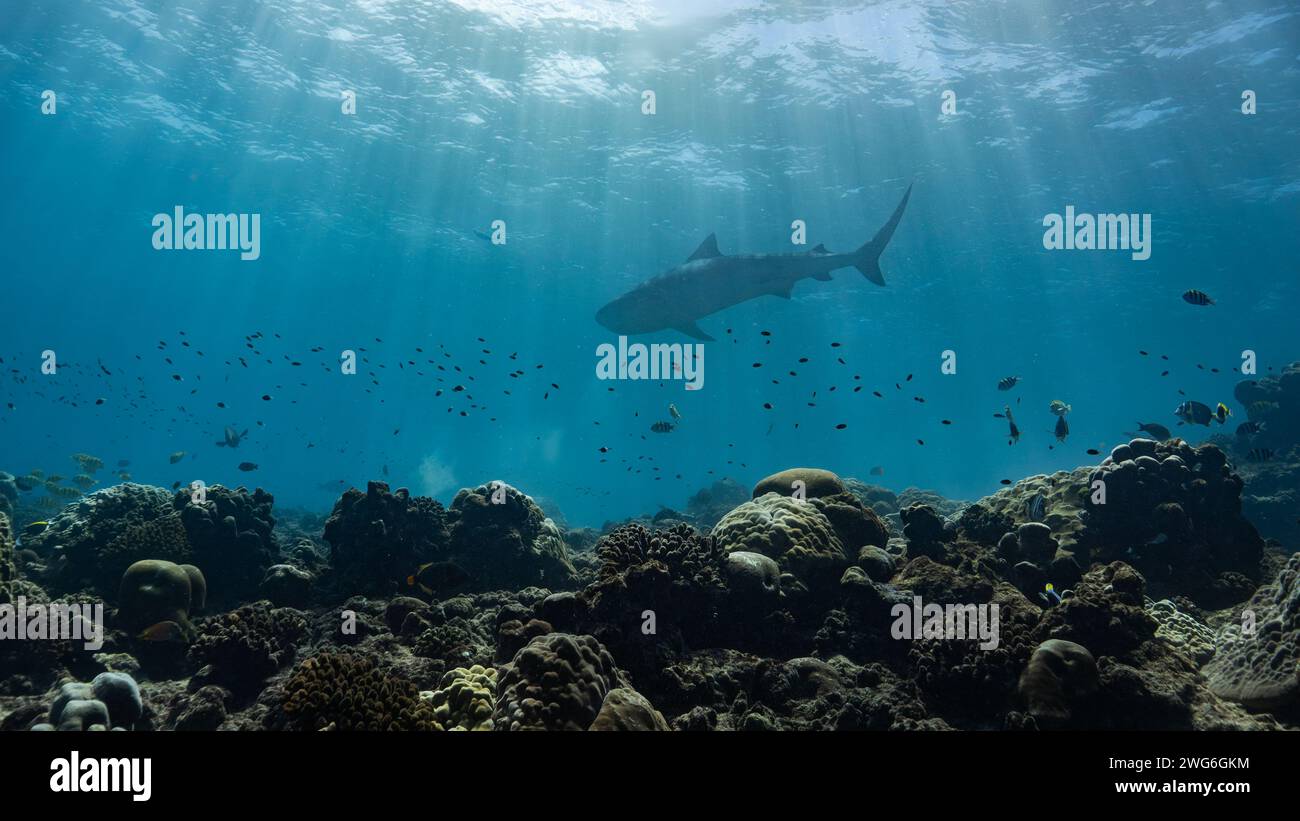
pixel 1195 297
pixel 1006 383
pixel 1157 430
pixel 1093 452
pixel 1260 454
pixel 24 483
pixel 1249 428
pixel 663 427
pixel 1062 429
pixel 877 471
pixel 1015 431
pixel 1221 413
pixel 437 577
pixel 176 457
pixel 1005 482
pixel 248 467
pixel 167 632
pixel 230 438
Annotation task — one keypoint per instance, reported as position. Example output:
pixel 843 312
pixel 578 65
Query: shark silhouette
pixel 709 281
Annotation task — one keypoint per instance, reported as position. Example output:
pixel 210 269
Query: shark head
pixel 631 313
pixel 609 316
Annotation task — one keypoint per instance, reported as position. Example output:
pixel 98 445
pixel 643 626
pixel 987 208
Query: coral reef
pixel 1129 609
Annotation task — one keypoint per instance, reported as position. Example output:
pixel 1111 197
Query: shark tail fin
pixel 868 256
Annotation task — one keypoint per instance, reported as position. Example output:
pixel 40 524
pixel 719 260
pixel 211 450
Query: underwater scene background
pixel 446 195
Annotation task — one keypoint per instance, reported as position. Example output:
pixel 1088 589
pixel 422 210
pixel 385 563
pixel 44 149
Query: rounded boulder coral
pixel 558 682
pixel 791 531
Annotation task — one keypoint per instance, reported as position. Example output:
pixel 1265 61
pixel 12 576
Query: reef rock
pixel 710 504
pixel 378 538
pixel 230 532
pixel 803 483
pixel 1059 672
pixel 503 540
pixel 1261 669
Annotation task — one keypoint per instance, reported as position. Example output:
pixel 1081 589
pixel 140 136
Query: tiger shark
pixel 710 281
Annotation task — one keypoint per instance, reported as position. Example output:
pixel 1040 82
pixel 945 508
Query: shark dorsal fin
pixel 820 249
pixel 707 250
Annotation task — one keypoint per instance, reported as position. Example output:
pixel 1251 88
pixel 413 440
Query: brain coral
pixel 558 682
pixel 1262 671
pixel 793 532
pixel 341 691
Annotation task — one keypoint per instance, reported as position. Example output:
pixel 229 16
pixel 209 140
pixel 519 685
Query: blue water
pixel 475 111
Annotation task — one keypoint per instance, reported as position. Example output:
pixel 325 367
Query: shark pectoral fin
pixel 707 250
pixel 694 331
pixel 820 249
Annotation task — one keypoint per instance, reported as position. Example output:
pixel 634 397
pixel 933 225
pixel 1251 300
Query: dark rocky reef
pixel 503 540
pixel 378 538
pixel 231 535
